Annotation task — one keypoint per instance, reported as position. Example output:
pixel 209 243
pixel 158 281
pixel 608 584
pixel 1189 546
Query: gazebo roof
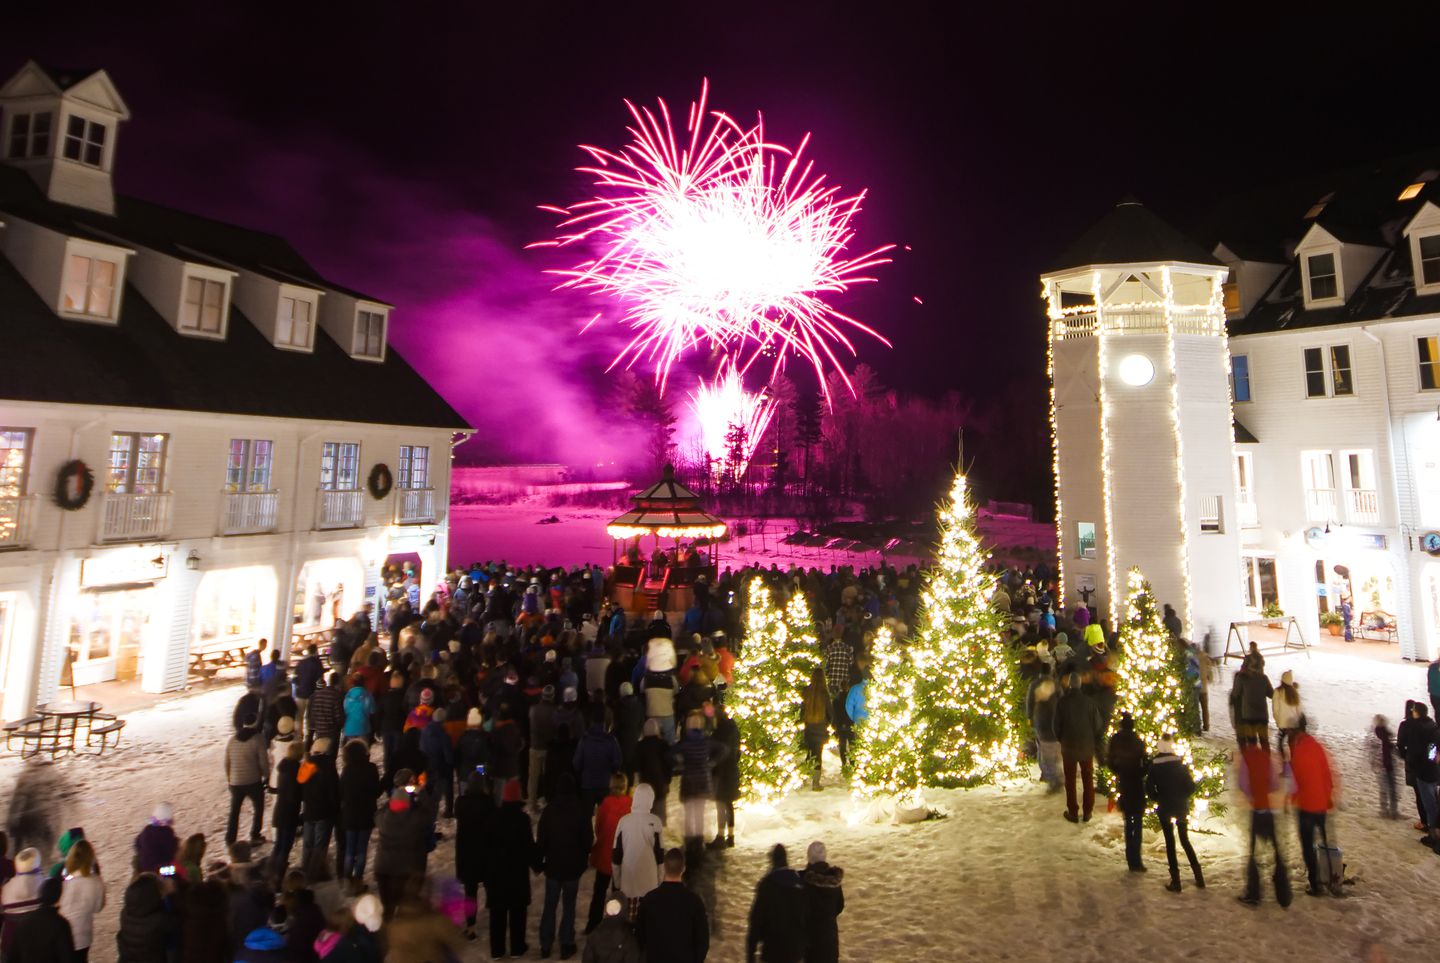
pixel 668 509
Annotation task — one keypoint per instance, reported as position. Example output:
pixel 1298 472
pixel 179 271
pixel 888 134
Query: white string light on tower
pixel 1102 361
pixel 1168 286
pixel 1056 314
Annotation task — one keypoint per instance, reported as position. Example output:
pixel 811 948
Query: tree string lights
pixel 888 745
pixel 962 662
pixel 765 703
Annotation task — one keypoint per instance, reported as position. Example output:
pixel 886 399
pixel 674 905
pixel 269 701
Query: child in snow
pixel 157 843
pixel 1384 763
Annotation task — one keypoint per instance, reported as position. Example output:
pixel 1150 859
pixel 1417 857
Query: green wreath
pixel 74 485
pixel 380 481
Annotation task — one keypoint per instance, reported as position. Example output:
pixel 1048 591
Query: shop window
pixel 1258 579
pixel 107 636
pixel 234 608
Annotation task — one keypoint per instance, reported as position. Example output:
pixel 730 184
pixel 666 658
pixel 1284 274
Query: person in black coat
pixel 1127 760
pixel 1079 728
pixel 43 935
pixel 564 840
pixel 629 717
pixel 654 766
pixel 406 838
pixel 727 778
pixel 359 788
pixel 474 811
pixel 319 807
pixel 510 855
pixel 205 931
pixel 285 817
pixel 672 924
pixel 392 710
pixel 1171 785
pixel 779 921
pixel 146 923
pixel 824 902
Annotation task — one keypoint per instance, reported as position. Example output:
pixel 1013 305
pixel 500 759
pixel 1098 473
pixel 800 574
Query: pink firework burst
pixel 720 237
pixel 731 419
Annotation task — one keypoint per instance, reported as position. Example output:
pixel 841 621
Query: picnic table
pixel 207 662
pixel 57 726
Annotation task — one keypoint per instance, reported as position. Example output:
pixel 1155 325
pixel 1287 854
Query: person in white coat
pixel 1287 712
pixel 637 850
pixel 82 897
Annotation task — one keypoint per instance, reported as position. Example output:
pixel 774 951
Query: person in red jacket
pixel 1257 781
pixel 607 820
pixel 1314 796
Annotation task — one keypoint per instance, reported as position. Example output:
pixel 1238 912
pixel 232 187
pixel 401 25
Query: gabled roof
pixel 65 77
pixel 90 86
pixel 1362 206
pixel 1131 234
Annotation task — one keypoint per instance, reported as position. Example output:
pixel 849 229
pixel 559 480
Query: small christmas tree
pixel 802 648
pixel 886 754
pixel 765 703
pixel 961 660
pixel 1152 687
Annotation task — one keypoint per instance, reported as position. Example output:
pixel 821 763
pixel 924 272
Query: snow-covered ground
pixel 1003 878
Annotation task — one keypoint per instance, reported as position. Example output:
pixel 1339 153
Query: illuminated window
pixel 203 309
pixel 84 141
pixel 1320 274
pixel 30 135
pixel 89 288
pixel 1231 291
pixel 369 334
pixel 14 460
pixel 1240 376
pixel 1430 259
pixel 1411 192
pixel 1429 362
pixel 1085 539
pixel 137 463
pixel 293 323
pixel 1258 579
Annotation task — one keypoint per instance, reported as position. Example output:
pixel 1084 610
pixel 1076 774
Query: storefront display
pixel 108 634
pixel 327 591
pixel 233 608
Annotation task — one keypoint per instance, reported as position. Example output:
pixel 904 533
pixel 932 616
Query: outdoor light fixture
pixel 192 561
pixel 1136 370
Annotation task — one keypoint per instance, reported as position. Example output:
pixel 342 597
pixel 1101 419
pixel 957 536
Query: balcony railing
pixel 133 517
pixel 250 513
pixel 1184 319
pixel 340 509
pixel 1247 511
pixel 1364 506
pixel 16 515
pixel 1320 504
pixel 414 506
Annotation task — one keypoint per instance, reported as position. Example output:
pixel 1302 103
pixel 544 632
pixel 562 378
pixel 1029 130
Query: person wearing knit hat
pixel 613 938
pixel 20 895
pixel 824 901
pixel 369 913
pixel 40 933
pixel 157 844
pixel 1170 783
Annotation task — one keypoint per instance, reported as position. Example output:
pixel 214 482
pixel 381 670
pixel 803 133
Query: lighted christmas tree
pixel 765 701
pixel 802 648
pixel 887 750
pixel 962 663
pixel 1152 687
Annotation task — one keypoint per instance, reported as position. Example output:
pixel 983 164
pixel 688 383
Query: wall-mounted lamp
pixel 192 561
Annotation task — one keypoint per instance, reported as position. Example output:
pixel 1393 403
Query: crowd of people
pixel 521 721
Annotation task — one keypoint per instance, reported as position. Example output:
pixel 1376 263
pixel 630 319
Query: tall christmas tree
pixel 764 703
pixel 962 662
pixel 888 746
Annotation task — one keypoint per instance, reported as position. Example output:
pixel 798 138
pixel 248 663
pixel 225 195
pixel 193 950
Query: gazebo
pixel 670 511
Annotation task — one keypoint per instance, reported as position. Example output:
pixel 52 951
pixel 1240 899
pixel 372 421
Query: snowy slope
pixel 1004 878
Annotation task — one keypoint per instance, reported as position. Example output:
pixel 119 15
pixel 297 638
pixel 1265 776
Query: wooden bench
pixel 112 727
pixel 13 730
pixel 38 738
pixel 206 663
pixel 1378 626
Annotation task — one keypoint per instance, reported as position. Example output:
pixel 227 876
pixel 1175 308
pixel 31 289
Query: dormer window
pixel 90 287
pixel 30 135
pixel 1429 267
pixel 369 334
pixel 84 141
pixel 1321 276
pixel 203 308
pixel 293 325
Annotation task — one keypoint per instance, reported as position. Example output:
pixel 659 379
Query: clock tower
pixel 1141 420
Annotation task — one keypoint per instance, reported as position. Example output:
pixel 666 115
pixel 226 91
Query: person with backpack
pixel 319 807
pixel 1314 797
pixel 815 710
pixel 613 940
pixel 1171 785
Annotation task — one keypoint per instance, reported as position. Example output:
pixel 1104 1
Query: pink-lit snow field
pixel 1003 878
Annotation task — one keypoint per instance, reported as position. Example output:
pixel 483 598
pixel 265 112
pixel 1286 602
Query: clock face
pixel 1136 370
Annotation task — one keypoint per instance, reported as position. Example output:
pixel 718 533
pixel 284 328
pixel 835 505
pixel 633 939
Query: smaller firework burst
pixel 731 419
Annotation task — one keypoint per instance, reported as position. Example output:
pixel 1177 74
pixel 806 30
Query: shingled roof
pixel 1131 234
pixel 143 362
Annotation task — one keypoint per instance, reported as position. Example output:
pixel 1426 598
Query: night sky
pixel 404 148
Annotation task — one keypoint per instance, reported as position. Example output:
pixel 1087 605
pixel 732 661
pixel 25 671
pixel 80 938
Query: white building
pixel 1332 306
pixel 237 412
